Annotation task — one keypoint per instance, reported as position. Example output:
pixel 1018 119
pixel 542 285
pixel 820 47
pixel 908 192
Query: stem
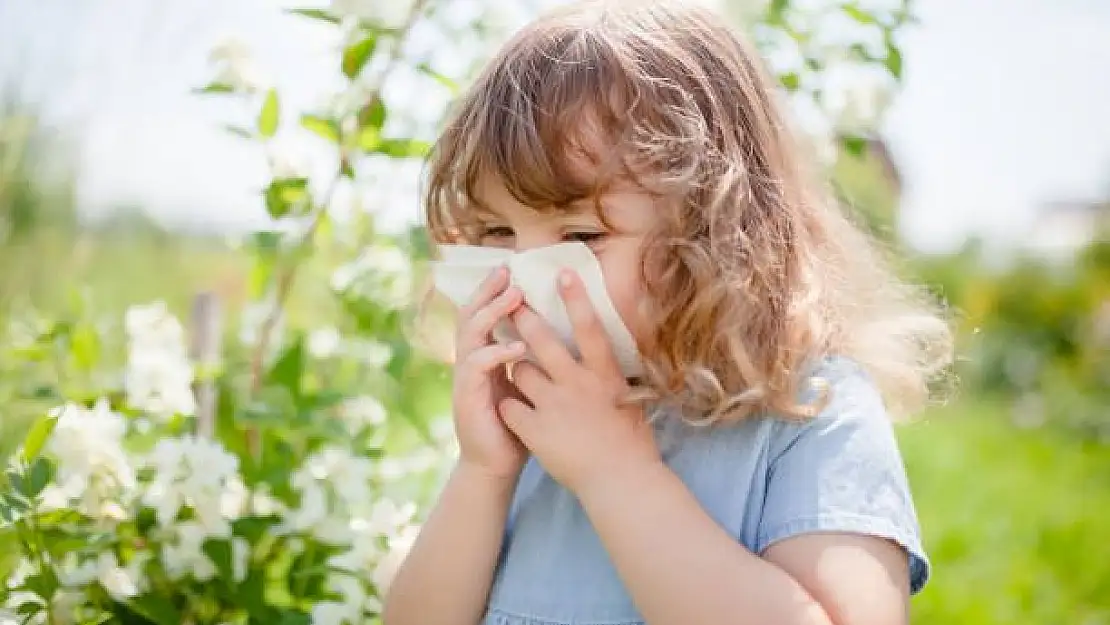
pixel 38 548
pixel 284 284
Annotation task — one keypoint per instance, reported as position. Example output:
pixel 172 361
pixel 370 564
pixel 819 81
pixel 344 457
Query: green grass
pixel 1017 522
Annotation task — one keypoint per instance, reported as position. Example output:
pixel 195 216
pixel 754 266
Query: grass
pixel 1015 521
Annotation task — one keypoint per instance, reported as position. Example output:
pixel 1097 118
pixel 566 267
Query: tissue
pixel 535 272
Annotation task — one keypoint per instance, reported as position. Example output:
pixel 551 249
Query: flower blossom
pixel 93 469
pixel 159 375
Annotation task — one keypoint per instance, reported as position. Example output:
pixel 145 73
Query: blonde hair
pixel 755 275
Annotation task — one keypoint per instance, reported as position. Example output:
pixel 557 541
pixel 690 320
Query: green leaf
pixel 403 148
pixel 859 51
pixel 215 87
pixel 11 511
pixel 776 11
pixel 369 138
pixel 893 60
pixel 38 476
pixel 294 617
pixel 791 81
pixel 373 114
pixel 29 608
pixel 44 583
pixel 239 131
pixel 285 194
pixel 36 438
pixel 322 126
pixel 270 114
pixel 316 14
pixel 251 594
pixel 85 345
pixel 852 10
pixel 156 608
pixel 356 55
pixel 219 551
pixel 427 70
pixel 854 145
pixel 289 367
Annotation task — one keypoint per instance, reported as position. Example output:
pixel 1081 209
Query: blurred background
pixel 972 137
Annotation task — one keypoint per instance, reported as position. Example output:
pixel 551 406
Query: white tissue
pixel 535 272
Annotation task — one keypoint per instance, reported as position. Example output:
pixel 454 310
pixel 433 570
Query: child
pixel 750 473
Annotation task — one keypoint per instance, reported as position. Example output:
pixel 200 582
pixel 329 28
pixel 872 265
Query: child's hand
pixel 576 430
pixel 480 383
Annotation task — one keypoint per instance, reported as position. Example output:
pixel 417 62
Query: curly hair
pixel 755 273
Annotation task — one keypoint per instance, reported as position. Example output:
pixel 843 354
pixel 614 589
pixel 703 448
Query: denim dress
pixel 762 480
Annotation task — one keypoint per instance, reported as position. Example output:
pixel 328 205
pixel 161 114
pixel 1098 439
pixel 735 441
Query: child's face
pixel 630 211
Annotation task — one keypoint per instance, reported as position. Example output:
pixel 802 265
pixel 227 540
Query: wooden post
pixel 205 351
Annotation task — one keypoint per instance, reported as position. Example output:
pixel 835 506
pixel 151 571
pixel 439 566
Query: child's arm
pixel 835 492
pixel 681 567
pixel 445 579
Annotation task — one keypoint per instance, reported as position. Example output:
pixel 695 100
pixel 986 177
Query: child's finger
pixel 519 418
pixel 531 382
pixel 589 333
pixel 486 359
pixel 552 355
pixel 475 330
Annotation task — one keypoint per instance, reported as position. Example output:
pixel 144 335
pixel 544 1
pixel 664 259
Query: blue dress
pixel 763 480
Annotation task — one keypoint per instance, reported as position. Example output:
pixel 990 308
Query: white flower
pixel 153 327
pixel 361 412
pixel 160 383
pixel 382 273
pixel 386 517
pixel 91 464
pixel 334 486
pixel 332 613
pixel 236 67
pixel 159 375
pixel 185 557
pixel 324 342
pixel 387 13
pixel 240 558
pixel 262 503
pixel 368 351
pixel 75 572
pixel 198 473
pixel 116 580
pixel 350 101
pixel 286 161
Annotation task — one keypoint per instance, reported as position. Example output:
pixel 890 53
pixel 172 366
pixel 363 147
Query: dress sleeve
pixel 842 472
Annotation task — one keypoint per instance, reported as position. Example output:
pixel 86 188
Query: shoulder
pixel 848 400
pixel 841 471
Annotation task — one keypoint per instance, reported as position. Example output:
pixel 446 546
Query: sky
pixel 1005 106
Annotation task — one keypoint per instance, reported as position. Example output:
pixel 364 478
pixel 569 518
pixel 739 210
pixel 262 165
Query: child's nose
pixel 525 241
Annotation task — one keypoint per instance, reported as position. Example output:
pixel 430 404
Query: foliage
pixel 1014 521
pixel 1035 331
pixel 134 500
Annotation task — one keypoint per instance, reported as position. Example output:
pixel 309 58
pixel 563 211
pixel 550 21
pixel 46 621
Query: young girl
pixel 750 474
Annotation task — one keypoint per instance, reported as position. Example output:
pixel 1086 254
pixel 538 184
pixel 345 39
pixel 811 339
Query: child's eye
pixel 496 232
pixel 584 237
